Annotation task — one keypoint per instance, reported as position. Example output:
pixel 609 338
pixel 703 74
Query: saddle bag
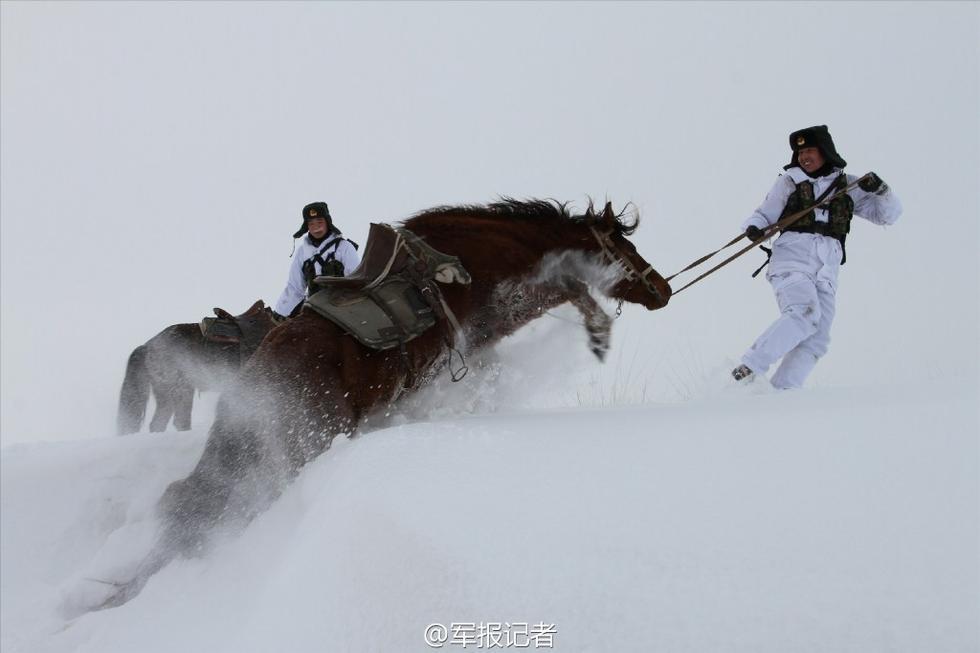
pixel 393 296
pixel 386 316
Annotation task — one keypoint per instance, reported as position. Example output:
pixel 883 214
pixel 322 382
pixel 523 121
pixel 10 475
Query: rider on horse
pixel 323 251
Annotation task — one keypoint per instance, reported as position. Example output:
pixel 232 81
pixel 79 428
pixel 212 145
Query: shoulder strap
pixel 835 185
pixel 318 254
pixel 326 245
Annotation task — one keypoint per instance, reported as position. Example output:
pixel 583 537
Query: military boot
pixel 742 372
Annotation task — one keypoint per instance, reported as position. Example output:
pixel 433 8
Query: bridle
pixel 616 257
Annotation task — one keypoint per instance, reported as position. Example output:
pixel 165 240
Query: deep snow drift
pixel 831 519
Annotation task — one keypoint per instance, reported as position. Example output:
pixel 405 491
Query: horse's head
pixel 641 284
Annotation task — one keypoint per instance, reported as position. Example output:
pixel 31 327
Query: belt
pixel 822 228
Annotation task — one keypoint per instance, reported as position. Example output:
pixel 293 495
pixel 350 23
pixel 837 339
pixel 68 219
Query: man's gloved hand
pixel 872 183
pixel 753 233
pixel 279 319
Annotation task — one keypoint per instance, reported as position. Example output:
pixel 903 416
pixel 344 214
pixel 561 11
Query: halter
pixel 615 257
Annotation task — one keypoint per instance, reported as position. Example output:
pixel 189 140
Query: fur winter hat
pixel 315 210
pixel 819 137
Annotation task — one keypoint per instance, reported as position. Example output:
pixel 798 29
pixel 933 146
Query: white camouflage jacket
pixel 295 290
pixel 814 253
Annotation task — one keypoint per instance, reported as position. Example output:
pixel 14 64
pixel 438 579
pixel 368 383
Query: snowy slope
pixel 153 162
pixel 835 519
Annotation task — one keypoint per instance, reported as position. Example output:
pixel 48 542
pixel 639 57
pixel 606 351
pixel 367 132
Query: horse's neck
pixel 507 250
pixel 516 259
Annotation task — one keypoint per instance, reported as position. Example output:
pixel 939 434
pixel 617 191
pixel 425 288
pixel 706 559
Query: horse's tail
pixel 135 393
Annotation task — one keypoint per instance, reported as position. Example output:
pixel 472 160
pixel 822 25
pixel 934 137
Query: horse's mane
pixel 508 208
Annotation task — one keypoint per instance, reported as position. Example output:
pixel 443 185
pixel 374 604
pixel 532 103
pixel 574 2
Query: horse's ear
pixel 590 216
pixel 220 312
pixel 255 308
pixel 608 215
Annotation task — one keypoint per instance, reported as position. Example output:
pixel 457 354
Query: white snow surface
pixel 740 519
pixel 154 159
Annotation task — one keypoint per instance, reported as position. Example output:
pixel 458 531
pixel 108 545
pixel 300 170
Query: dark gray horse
pixel 178 361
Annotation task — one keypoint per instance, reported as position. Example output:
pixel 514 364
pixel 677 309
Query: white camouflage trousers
pixel 801 334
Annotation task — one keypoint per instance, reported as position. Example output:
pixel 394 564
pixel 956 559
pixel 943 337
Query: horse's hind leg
pixel 239 473
pixel 164 410
pixel 183 400
pixel 235 478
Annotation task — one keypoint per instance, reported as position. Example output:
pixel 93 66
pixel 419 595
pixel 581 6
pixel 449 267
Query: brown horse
pixel 179 360
pixel 310 382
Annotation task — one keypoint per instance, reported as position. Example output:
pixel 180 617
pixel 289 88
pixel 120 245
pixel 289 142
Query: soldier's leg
pixel 800 361
pixel 799 319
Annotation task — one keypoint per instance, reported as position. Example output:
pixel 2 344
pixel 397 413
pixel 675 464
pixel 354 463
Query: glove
pixel 753 233
pixel 872 183
pixel 279 319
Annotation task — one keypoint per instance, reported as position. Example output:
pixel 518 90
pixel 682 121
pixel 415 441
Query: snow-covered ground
pixel 154 160
pixel 741 519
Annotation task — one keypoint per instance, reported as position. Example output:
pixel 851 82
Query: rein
pixel 767 233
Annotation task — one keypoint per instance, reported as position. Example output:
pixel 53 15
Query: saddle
pixel 246 330
pixel 392 297
pixel 220 329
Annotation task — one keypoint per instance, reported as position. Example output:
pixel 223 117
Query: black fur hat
pixel 816 136
pixel 315 210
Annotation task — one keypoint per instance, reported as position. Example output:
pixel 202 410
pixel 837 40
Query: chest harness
pixel 839 210
pixel 329 265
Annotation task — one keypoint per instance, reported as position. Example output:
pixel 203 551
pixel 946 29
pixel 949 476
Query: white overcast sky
pixel 155 158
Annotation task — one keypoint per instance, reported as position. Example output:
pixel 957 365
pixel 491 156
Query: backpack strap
pixel 318 255
pixel 834 187
pixel 309 265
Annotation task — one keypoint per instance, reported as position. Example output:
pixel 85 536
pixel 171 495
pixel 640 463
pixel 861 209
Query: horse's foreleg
pixel 597 323
pixel 183 399
pixel 162 393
